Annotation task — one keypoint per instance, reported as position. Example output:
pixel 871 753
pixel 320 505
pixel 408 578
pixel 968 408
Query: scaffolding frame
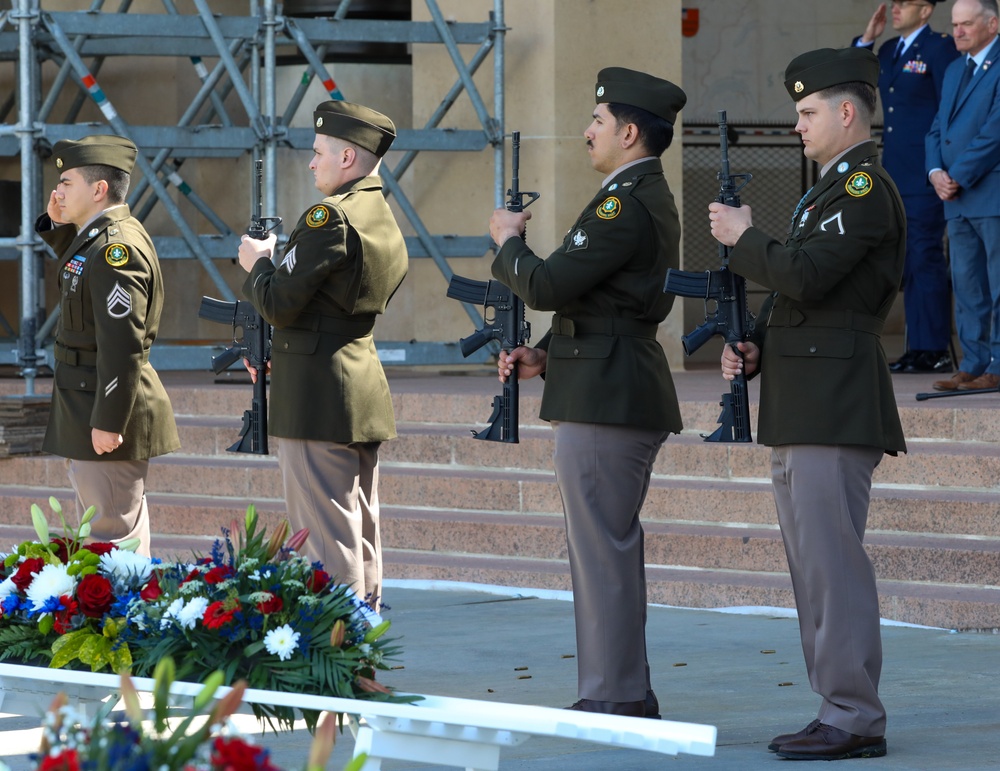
pixel 245 49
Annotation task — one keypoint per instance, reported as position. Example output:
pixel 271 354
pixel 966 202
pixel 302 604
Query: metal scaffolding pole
pixel 69 39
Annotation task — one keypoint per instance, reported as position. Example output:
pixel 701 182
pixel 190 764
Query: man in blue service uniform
pixel 911 72
pixel 827 407
pixel 608 391
pixel 110 413
pixel 330 402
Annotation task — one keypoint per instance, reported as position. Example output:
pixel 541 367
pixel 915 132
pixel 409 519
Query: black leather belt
pixel 353 327
pixel 793 317
pixel 597 325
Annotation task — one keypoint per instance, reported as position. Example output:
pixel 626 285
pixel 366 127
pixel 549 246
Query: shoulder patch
pixel 116 255
pixel 859 184
pixel 610 208
pixel 317 216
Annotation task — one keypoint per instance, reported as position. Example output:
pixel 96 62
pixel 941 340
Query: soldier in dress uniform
pixel 110 413
pixel 608 390
pixel 330 402
pixel 827 407
pixel 911 77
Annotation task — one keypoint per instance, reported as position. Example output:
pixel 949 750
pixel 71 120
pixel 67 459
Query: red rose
pixel 151 590
pixel 100 548
pixel 217 615
pixel 94 595
pixel 67 760
pixel 26 572
pixel 219 574
pixel 318 581
pixel 270 606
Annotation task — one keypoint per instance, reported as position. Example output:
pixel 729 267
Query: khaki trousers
pixel 603 475
pixel 332 489
pixel 117 489
pixel 821 493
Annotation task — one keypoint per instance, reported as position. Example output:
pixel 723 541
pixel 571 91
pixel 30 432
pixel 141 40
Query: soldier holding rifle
pixel 608 391
pixel 826 406
pixel 330 401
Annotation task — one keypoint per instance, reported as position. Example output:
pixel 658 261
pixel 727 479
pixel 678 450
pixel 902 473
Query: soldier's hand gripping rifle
pixel 251 334
pixel 503 314
pixel 726 314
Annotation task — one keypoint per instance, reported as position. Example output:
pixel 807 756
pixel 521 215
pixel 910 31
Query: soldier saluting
pixel 110 413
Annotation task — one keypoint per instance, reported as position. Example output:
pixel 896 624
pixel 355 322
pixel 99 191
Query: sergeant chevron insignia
pixel 119 302
pixel 289 262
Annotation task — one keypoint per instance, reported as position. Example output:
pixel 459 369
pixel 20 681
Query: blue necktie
pixel 970 68
pixel 899 51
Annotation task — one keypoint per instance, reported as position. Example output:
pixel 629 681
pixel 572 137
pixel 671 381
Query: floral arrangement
pixel 63 603
pixel 253 608
pixel 204 740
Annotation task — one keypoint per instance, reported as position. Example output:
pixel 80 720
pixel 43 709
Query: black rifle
pixel 508 325
pixel 251 334
pixel 725 295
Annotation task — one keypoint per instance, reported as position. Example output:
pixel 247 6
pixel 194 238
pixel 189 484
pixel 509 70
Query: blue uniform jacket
pixel 911 93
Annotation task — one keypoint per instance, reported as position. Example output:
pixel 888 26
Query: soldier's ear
pixel 101 190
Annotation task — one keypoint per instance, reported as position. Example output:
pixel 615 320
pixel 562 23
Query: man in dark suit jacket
pixel 963 165
pixel 911 71
pixel 827 406
pixel 110 413
pixel 330 401
pixel 608 390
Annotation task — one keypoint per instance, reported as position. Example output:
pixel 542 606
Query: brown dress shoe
pixel 626 708
pixel 829 743
pixel 952 383
pixel 777 741
pixel 986 380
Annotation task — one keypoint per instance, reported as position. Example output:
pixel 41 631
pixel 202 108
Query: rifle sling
pixel 75 357
pixel 847 319
pixel 609 326
pixel 353 327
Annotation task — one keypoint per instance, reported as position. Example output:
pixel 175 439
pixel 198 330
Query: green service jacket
pixel 342 264
pixel 110 298
pixel 824 376
pixel 605 284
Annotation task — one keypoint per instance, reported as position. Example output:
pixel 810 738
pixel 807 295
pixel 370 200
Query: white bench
pixel 463 733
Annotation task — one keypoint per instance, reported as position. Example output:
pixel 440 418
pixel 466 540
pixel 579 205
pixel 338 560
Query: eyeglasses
pixel 904 3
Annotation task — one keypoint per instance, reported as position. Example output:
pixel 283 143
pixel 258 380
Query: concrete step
pixel 468 510
pixel 896 556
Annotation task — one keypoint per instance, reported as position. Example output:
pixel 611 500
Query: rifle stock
pixel 726 314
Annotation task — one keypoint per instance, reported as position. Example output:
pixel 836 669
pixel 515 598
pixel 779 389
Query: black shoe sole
pixel 872 751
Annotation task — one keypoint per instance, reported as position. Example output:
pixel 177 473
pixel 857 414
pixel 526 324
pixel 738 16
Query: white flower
pixel 171 612
pixel 51 581
pixel 126 565
pixel 7 588
pixel 192 612
pixel 281 642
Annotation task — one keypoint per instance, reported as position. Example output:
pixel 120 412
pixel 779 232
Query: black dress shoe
pixel 828 743
pixel 652 706
pixel 937 362
pixel 777 741
pixel 627 708
pixel 903 361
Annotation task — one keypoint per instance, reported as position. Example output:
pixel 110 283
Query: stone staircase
pixel 458 509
